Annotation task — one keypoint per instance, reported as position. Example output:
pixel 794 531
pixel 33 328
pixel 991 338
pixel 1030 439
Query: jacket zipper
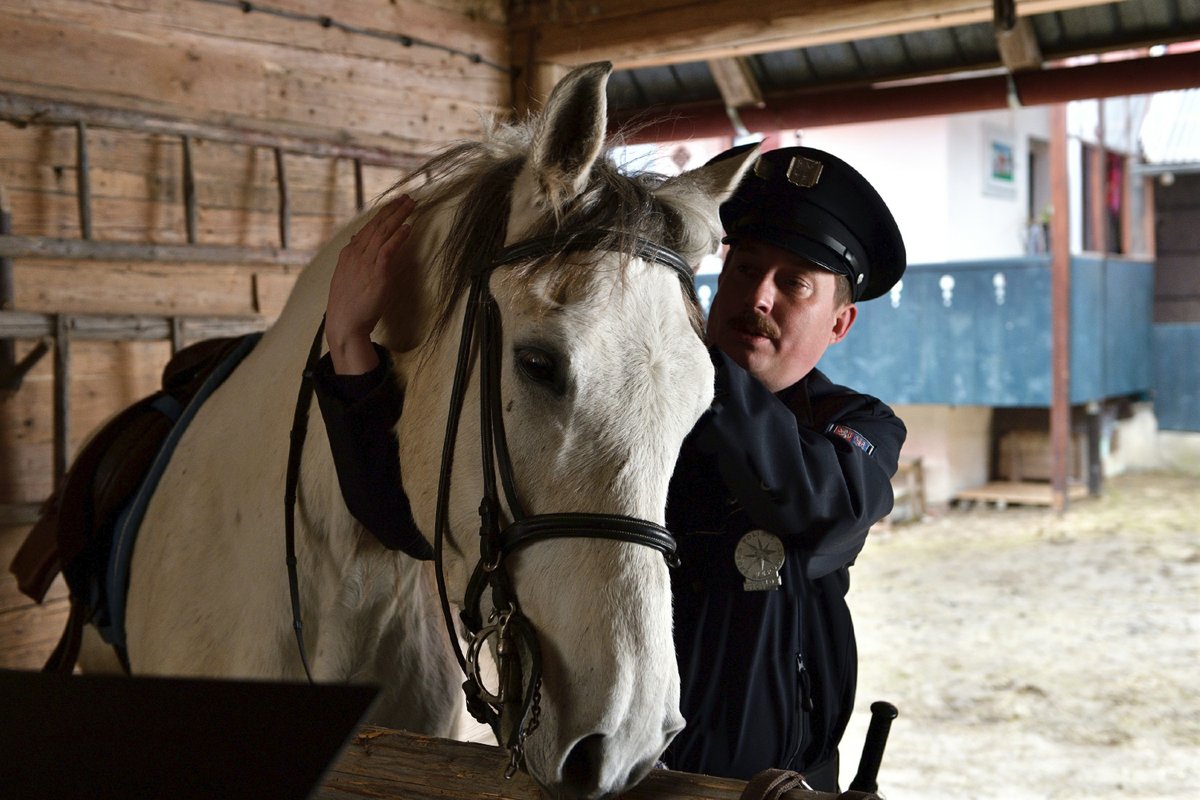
pixel 804 704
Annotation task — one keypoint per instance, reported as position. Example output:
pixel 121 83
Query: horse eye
pixel 537 365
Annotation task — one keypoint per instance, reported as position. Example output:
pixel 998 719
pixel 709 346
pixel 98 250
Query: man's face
pixel 775 313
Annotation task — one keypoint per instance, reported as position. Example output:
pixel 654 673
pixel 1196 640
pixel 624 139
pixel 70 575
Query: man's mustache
pixel 755 324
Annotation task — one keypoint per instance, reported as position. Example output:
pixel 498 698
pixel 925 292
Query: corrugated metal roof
pixel 1170 131
pixel 963 48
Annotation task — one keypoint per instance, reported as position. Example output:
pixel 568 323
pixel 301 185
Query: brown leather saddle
pixel 74 532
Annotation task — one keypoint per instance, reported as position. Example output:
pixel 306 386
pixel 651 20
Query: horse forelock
pixel 476 180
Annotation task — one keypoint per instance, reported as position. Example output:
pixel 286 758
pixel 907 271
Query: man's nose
pixel 764 295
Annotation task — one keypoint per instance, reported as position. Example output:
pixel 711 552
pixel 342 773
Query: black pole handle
pixel 882 714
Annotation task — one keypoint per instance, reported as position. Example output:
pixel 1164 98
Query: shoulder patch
pixel 852 436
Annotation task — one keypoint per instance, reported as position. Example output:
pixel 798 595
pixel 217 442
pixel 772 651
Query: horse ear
pixel 702 190
pixel 567 139
pixel 716 180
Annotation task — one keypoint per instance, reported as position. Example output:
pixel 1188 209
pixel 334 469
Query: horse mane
pixel 480 176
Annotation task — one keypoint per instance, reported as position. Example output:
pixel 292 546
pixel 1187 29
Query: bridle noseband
pixel 513 709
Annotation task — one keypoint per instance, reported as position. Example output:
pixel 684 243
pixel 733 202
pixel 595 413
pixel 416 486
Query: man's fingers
pixel 383 224
pixel 391 245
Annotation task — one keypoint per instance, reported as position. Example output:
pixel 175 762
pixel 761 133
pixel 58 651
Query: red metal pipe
pixel 841 106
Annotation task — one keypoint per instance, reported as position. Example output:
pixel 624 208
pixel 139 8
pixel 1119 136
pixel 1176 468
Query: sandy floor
pixel 1037 656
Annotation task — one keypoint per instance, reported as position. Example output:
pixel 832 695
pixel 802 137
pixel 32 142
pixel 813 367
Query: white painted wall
pixel 933 174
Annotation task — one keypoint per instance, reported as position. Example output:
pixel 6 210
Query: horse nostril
pixel 581 769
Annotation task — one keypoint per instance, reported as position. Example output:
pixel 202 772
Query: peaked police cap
pixel 818 207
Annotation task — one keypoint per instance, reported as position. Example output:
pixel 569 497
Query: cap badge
pixel 804 172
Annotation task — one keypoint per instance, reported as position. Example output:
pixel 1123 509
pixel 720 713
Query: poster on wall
pixel 999 163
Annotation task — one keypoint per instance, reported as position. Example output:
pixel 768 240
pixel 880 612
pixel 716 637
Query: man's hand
pixel 364 279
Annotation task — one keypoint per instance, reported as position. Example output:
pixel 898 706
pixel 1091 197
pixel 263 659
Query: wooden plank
pixel 11 597
pixel 124 328
pixel 380 762
pixel 105 377
pixel 165 290
pixel 1019 46
pixel 1018 493
pixel 28 635
pixel 473 26
pixel 287 90
pixel 46 247
pixel 271 291
pixel 736 82
pixel 632 33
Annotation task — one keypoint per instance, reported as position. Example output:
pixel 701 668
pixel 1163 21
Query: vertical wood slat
pixel 358 184
pixel 62 396
pixel 189 190
pixel 83 180
pixel 176 335
pixel 285 212
pixel 8 355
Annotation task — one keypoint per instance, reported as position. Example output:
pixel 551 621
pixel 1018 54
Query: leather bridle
pixel 513 710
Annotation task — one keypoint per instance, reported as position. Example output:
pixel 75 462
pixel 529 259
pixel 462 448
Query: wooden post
pixel 285 212
pixel 83 182
pixel 1060 310
pixel 358 185
pixel 62 397
pixel 1095 435
pixel 189 190
pixel 1097 208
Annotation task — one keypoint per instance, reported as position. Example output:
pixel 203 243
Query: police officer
pixel 775 488
pixel 777 485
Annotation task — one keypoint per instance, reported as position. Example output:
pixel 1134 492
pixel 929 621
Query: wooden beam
pixel 1019 47
pixel 45 247
pixel 27 110
pixel 858 104
pixel 736 81
pixel 640 33
pixel 123 327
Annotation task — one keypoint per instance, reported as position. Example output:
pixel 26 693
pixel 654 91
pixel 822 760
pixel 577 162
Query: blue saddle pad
pixel 116 583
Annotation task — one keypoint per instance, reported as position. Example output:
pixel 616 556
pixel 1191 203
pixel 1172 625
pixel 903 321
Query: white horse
pixel 209 594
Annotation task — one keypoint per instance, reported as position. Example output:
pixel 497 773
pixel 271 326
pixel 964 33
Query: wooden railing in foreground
pixel 380 762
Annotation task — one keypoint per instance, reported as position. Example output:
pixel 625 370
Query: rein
pixel 513 710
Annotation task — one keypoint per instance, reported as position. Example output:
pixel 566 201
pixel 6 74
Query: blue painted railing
pixel 978 333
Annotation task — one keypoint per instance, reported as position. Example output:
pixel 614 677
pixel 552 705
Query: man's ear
pixel 843 322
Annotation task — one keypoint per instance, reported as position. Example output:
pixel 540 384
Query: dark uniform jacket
pixel 767 676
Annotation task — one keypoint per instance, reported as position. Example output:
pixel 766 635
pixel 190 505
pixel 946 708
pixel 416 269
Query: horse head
pixel 602 372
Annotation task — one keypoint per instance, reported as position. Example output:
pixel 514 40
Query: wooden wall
pixel 208 63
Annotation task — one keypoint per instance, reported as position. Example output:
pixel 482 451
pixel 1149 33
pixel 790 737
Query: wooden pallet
pixel 1018 493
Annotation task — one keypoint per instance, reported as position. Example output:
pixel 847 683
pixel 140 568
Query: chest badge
pixel 758 556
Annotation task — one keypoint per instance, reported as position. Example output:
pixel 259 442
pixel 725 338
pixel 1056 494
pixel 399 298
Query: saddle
pixel 74 532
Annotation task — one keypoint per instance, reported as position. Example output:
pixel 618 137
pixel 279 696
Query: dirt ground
pixel 1033 655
